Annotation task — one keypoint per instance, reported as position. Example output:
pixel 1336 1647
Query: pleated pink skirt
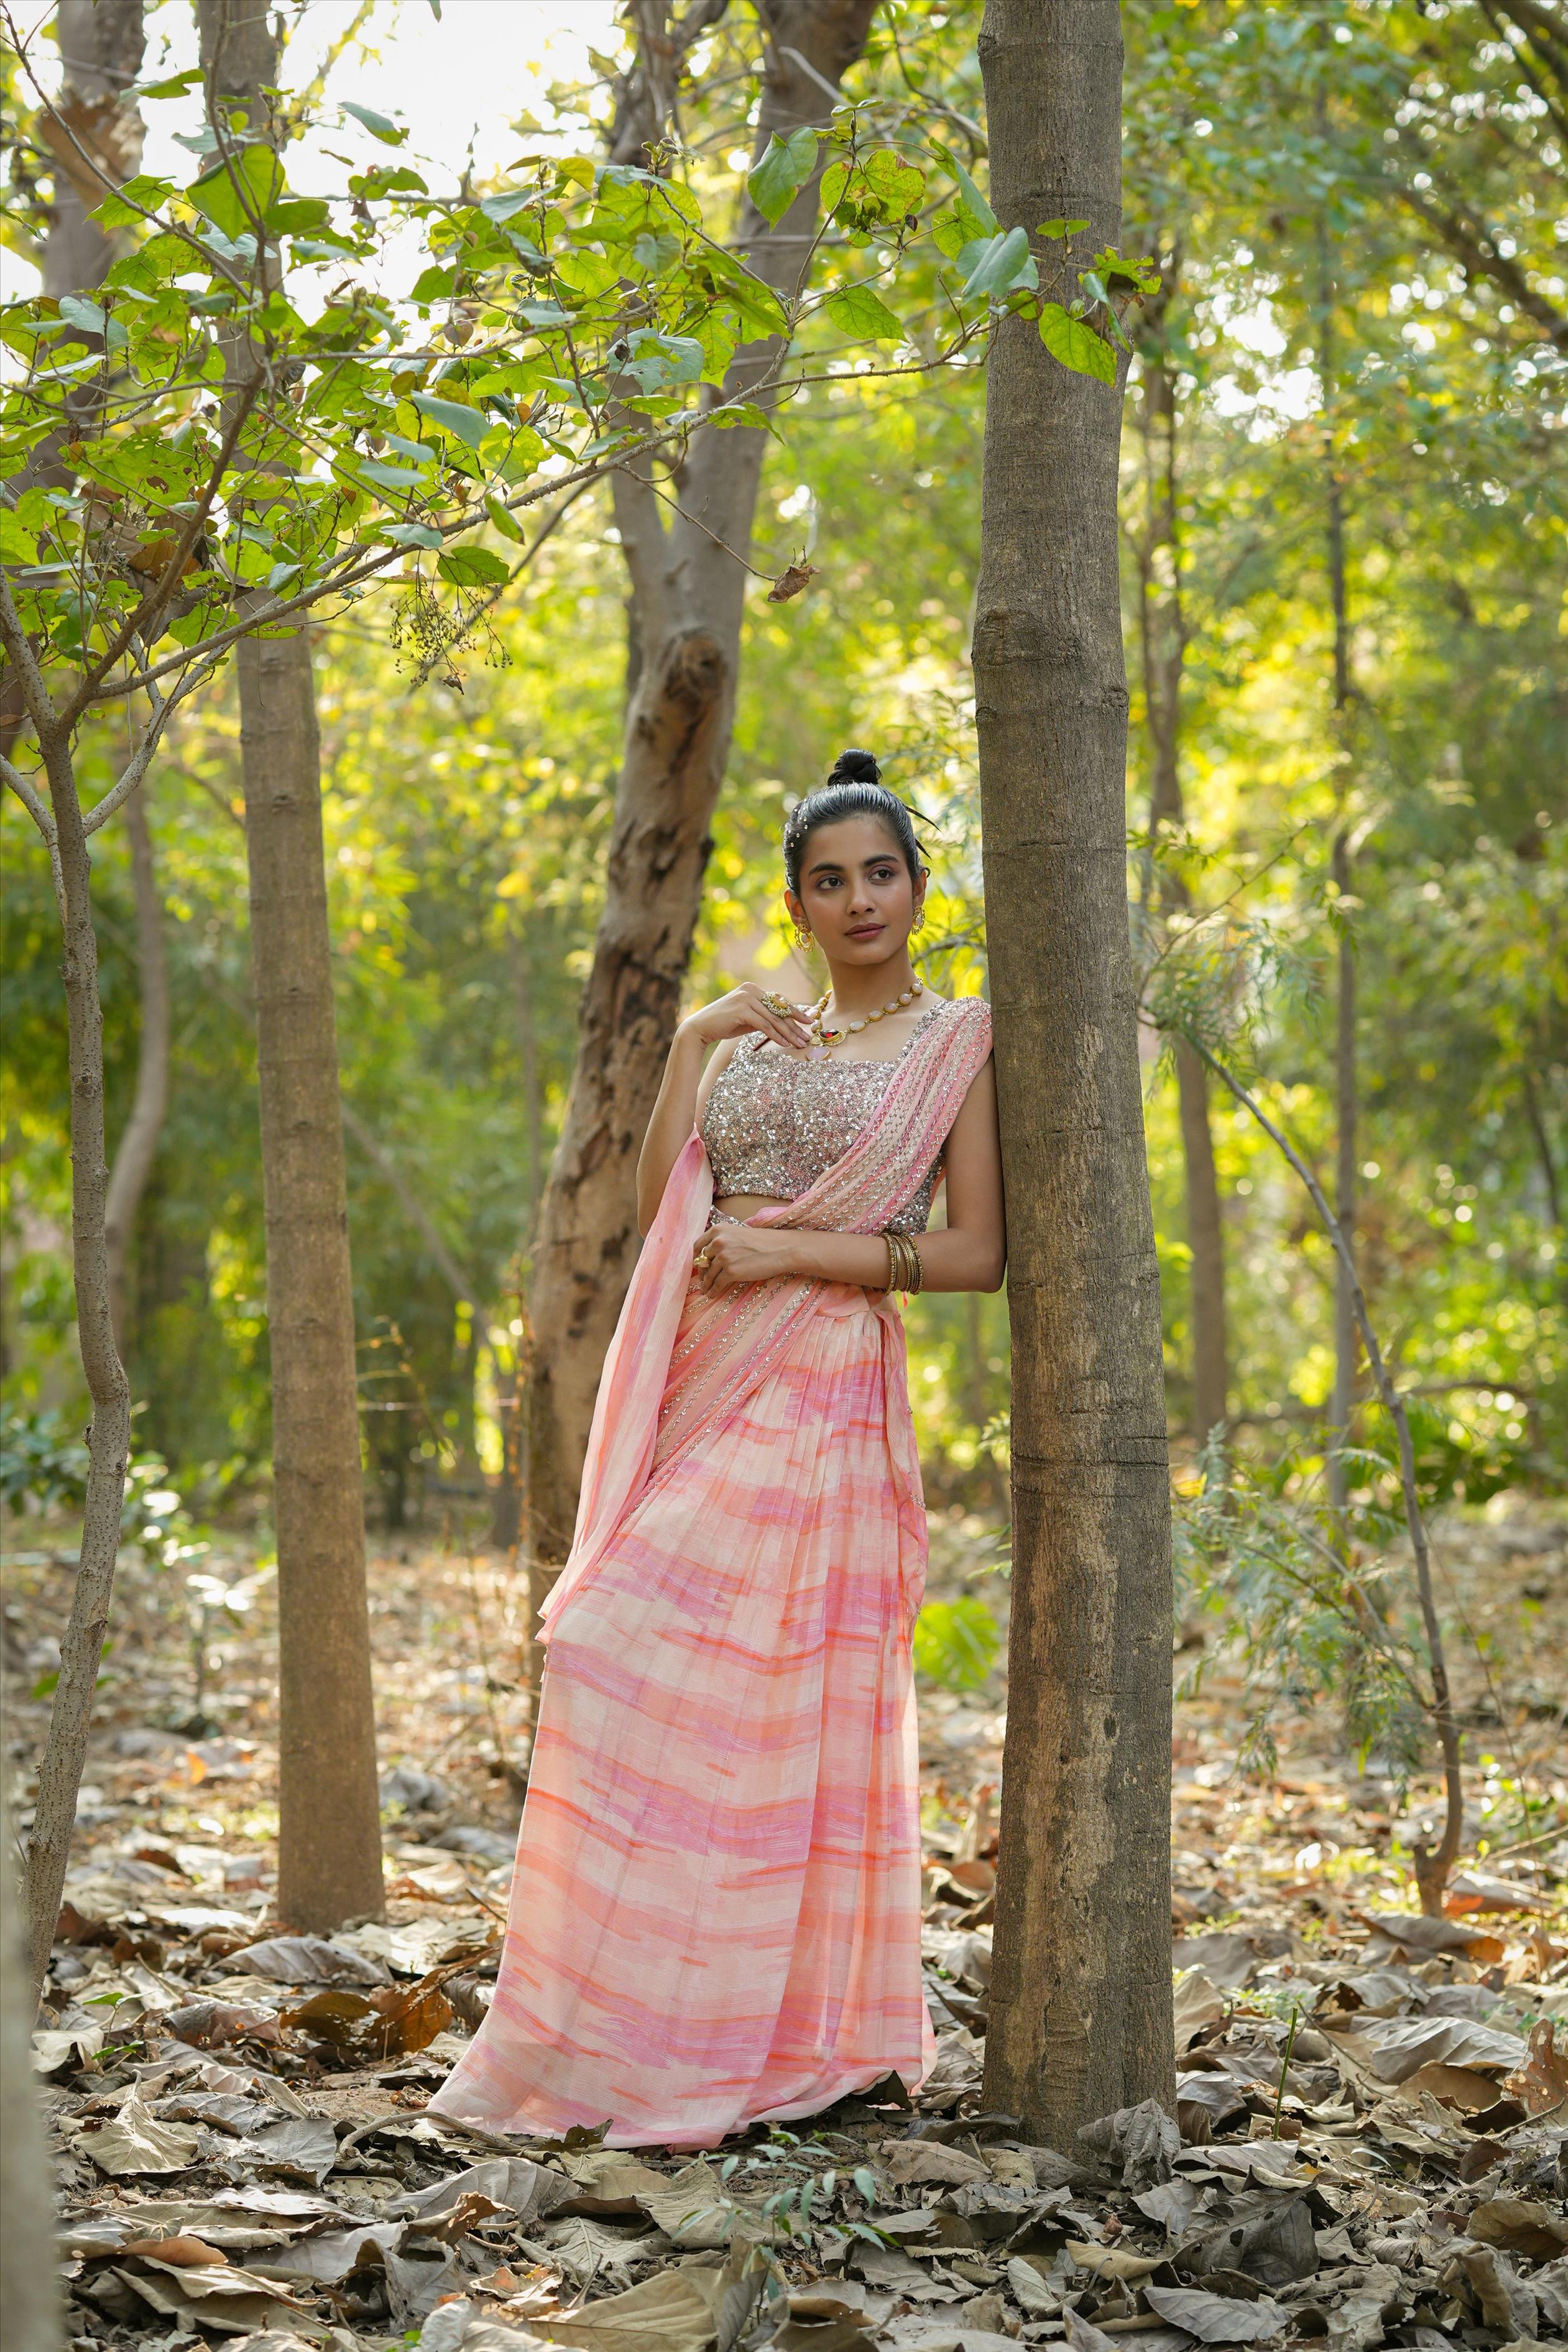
pixel 715 1912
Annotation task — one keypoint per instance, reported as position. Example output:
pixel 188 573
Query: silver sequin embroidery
pixel 777 1121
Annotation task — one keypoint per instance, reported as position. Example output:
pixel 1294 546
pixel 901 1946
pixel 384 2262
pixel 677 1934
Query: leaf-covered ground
pixel 239 2111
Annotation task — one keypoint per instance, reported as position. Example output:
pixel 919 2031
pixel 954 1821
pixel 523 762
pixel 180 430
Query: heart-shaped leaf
pixel 1077 347
pixel 786 165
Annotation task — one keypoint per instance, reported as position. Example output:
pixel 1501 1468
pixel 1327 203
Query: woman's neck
pixel 860 989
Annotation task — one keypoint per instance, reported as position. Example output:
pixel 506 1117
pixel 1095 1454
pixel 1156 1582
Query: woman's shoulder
pixel 971 1012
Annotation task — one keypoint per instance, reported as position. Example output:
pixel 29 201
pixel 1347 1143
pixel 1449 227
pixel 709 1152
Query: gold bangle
pixel 917 1270
pixel 905 1272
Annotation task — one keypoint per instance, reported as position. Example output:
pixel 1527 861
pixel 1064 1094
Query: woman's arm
pixel 970 1253
pixel 684 1088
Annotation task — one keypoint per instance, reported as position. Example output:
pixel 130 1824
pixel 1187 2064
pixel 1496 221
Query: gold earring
pixel 920 921
pixel 803 939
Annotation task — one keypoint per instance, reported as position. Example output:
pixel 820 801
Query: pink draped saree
pixel 715 1912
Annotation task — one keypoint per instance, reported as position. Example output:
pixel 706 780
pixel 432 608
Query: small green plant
pixel 956 1643
pixel 43 1465
pixel 1260 1547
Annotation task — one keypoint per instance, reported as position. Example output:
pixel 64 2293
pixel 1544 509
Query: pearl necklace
pixel 825 1037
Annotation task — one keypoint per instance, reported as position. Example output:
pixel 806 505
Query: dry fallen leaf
pixel 1218 2318
pixel 1540 2084
pixel 138 2142
pixel 791 582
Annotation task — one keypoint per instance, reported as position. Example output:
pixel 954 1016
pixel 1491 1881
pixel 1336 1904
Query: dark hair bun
pixel 853 767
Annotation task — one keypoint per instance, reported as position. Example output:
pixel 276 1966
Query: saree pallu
pixel 715 1912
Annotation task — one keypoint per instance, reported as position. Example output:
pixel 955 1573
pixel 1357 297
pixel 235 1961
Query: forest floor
pixel 1371 2145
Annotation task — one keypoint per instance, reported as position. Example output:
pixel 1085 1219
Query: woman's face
pixel 857 896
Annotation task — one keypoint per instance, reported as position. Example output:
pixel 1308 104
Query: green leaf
pixel 172 85
pixel 18 544
pixel 744 412
pixel 1061 227
pixel 87 316
pixel 380 126
pixel 240 191
pixel 474 567
pixel 863 314
pixel 974 201
pixel 467 423
pixel 1004 263
pixel 412 534
pixel 899 187
pixel 383 179
pixel 501 207
pixel 1076 346
pixel 786 165
pixel 127 205
pixel 505 523
pixel 392 477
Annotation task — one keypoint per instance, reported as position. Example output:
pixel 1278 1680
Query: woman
pixel 715 1912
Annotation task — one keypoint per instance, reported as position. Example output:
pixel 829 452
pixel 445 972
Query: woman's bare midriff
pixel 742 1205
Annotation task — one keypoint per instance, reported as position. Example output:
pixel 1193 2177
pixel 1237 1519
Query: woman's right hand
pixel 745 1010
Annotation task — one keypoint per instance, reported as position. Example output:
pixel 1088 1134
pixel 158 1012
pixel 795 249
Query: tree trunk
pixel 1162 637
pixel 26 2206
pixel 1342 1408
pixel 1205 1240
pixel 1081 1996
pixel 329 1867
pixel 1346 1341
pixel 688 582
pixel 109 1434
pixel 139 1144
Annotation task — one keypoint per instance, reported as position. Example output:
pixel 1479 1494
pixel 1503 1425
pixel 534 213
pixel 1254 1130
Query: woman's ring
pixel 776 1003
pixel 702 1258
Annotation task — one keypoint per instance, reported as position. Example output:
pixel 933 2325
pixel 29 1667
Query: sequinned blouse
pixel 775 1121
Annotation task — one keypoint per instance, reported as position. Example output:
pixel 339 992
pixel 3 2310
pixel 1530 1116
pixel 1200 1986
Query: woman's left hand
pixel 730 1254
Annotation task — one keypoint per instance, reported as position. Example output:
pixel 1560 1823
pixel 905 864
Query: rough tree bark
pixel 328 1867
pixel 688 585
pixel 1162 640
pixel 1080 1997
pixel 137 1146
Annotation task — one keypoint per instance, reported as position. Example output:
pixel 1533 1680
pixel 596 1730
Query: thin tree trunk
pixel 1205 1241
pixel 1346 1343
pixel 330 1866
pixel 1542 1145
pixel 139 1144
pixel 109 1434
pixel 100 49
pixel 33 2313
pixel 1162 637
pixel 688 582
pixel 1081 1996
pixel 1342 1408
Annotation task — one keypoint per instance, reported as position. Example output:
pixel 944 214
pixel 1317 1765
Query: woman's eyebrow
pixel 828 866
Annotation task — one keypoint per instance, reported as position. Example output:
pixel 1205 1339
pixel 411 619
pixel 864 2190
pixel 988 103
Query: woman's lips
pixel 868 931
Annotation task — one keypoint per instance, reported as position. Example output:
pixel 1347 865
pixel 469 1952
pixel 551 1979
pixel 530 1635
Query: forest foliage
pixel 1346 217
